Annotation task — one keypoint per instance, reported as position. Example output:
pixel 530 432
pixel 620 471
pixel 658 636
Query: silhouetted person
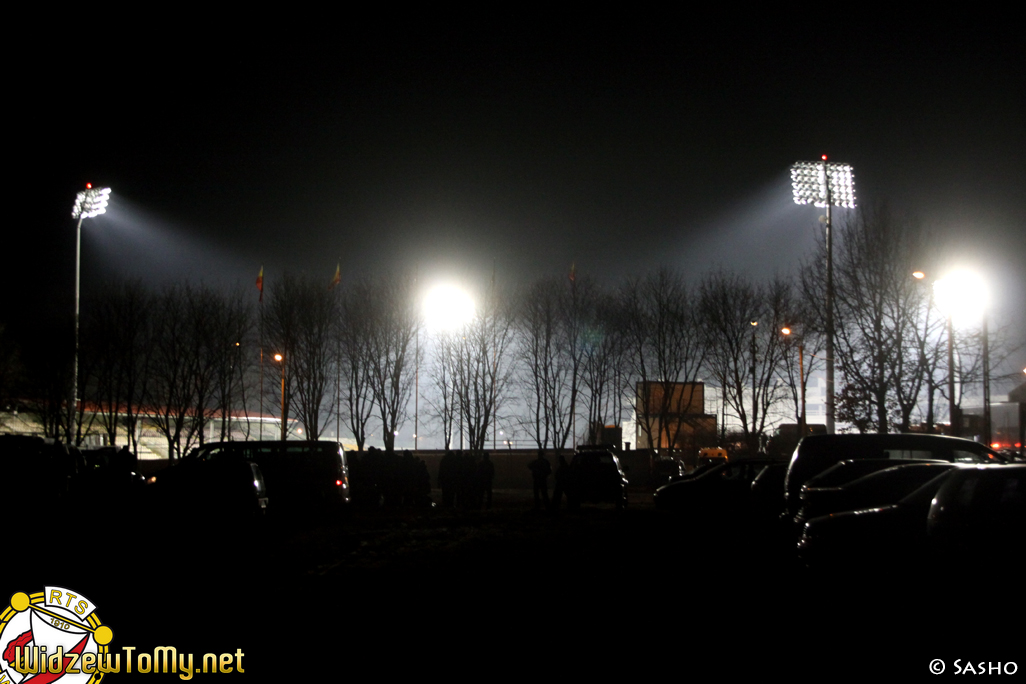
pixel 466 486
pixel 540 470
pixel 126 461
pixel 562 474
pixel 485 477
pixel 448 476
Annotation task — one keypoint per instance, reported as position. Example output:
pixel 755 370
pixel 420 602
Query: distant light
pixel 277 357
pixel 918 275
pixel 786 331
pixel 961 295
pixel 447 307
pixel 824 157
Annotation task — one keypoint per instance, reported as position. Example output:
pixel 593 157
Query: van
pixel 299 475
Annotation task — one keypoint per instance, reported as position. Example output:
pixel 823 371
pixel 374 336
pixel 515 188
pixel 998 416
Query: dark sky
pixel 618 145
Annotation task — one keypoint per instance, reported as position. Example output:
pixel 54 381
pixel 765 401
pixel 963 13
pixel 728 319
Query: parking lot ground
pixel 411 591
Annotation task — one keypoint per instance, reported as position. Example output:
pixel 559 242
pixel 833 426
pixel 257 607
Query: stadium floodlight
pixel 825 184
pixel 88 203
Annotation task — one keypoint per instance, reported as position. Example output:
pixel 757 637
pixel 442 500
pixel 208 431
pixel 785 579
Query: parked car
pixel 300 475
pixel 816 453
pixel 977 520
pixel 595 476
pixel 882 539
pixel 666 470
pixel 223 486
pixel 725 487
pixel 971 517
pixel 880 488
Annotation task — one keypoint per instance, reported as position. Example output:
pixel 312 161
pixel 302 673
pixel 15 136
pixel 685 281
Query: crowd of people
pixel 466 480
pixel 390 479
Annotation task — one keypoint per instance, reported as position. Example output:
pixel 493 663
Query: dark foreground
pixel 504 591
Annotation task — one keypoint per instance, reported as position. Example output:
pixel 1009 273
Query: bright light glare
pixel 961 295
pixel 90 202
pixel 809 182
pixel 447 307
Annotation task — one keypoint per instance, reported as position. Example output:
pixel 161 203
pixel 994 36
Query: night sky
pixel 443 145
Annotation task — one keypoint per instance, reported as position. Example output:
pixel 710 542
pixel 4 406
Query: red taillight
pixel 338 483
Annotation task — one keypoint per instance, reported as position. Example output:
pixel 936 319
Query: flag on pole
pixel 260 283
pixel 338 276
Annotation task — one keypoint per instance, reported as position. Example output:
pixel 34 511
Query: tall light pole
pixel 88 203
pixel 825 184
pixel 281 359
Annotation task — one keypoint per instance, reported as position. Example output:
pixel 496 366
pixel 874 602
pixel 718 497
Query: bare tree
pixel 172 366
pixel 232 325
pixel 666 352
pixel 443 405
pixel 393 350
pixel 299 322
pixel 877 310
pixel 482 367
pixel 802 350
pixel 742 322
pixel 603 361
pixel 115 338
pixel 356 359
pixel 549 324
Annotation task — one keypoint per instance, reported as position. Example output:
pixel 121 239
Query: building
pixel 672 416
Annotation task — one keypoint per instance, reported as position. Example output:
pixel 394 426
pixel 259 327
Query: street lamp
pixel 825 184
pixel 281 359
pixel 801 377
pixel 963 295
pixel 88 203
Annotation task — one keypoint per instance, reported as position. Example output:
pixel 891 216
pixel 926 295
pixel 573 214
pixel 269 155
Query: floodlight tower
pixel 88 203
pixel 825 184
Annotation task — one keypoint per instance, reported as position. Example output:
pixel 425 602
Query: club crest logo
pixel 50 636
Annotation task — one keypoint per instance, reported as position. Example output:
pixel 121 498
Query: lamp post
pixel 801 378
pixel 825 184
pixel 281 359
pixel 88 203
